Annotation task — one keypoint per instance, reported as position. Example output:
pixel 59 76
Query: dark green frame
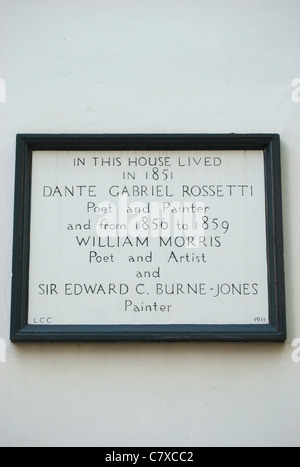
pixel 21 331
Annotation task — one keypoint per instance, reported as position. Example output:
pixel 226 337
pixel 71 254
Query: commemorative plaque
pixel 148 238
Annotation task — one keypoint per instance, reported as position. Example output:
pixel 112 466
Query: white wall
pixel 95 66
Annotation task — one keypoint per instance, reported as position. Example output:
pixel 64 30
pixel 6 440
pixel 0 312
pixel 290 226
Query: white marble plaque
pixel 148 237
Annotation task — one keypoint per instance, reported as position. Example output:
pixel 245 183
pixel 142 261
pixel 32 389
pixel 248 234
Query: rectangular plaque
pixel 148 237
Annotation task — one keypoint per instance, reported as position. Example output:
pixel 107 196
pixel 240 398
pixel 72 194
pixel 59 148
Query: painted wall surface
pixel 146 66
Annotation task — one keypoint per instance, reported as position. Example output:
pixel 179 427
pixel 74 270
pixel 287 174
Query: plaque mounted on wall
pixel 148 238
